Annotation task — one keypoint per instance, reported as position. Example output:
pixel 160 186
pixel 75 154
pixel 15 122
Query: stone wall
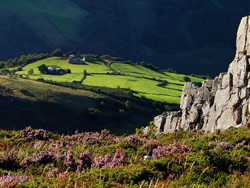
pixel 215 104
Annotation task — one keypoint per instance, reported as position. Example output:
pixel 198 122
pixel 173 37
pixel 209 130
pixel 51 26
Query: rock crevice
pixel 215 104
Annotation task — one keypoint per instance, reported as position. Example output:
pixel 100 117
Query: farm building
pixel 52 70
pixel 75 61
pixel 87 59
pixel 73 56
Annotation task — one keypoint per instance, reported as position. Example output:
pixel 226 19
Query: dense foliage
pixel 37 158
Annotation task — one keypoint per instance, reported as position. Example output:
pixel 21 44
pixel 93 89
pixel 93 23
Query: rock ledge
pixel 215 104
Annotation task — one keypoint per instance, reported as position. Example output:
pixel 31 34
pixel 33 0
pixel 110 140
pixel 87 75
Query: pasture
pixel 142 81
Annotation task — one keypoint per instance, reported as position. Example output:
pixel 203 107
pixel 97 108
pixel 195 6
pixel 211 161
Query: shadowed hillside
pixel 190 37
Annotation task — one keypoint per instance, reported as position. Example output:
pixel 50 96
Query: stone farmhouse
pixel 52 70
pixel 87 59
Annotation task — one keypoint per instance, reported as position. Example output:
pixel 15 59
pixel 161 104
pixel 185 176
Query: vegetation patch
pixel 184 158
pixel 141 80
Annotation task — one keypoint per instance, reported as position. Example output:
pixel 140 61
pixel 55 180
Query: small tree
pixel 167 108
pixel 31 72
pixel 19 69
pixel 187 79
pixel 43 69
pixel 107 57
pixel 128 104
pixel 57 53
pixel 143 63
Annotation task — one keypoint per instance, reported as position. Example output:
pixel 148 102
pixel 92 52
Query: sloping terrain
pixel 38 158
pixel 190 37
pixel 119 95
pixel 66 108
pixel 30 26
pixel 156 85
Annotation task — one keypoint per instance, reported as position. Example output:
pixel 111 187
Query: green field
pixel 90 67
pixel 139 71
pixel 142 87
pixel 142 81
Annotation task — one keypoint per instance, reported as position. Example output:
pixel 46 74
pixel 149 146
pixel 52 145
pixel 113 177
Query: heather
pixel 38 158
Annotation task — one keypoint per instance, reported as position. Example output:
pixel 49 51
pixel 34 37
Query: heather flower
pixel 8 160
pixel 133 139
pixel 70 162
pixel 102 162
pixel 13 178
pixel 118 160
pixel 59 156
pixel 53 172
pixel 108 162
pixel 27 160
pixel 162 151
pixel 84 160
pixel 171 176
pixel 43 157
pixel 150 145
pixel 38 144
pixel 38 134
pixel 224 145
pixel 91 138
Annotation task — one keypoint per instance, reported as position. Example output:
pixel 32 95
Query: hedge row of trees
pixel 27 59
pixel 22 60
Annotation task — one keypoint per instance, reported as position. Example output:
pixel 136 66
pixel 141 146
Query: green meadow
pixel 142 81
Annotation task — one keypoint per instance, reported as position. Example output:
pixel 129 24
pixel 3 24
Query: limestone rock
pixel 215 104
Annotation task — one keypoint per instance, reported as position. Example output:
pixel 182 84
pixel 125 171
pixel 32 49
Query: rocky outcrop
pixel 215 104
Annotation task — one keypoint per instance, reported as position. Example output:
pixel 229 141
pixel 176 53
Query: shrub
pixel 31 72
pixel 121 111
pixel 128 104
pixel 84 160
pixel 39 134
pixel 162 151
pixel 7 179
pixel 168 108
pixel 8 160
pixel 19 69
pixel 224 145
pixel 94 111
pixel 186 79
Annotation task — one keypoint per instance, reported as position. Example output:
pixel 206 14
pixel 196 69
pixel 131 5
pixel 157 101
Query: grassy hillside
pixel 38 158
pixel 65 107
pixel 118 95
pixel 142 81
